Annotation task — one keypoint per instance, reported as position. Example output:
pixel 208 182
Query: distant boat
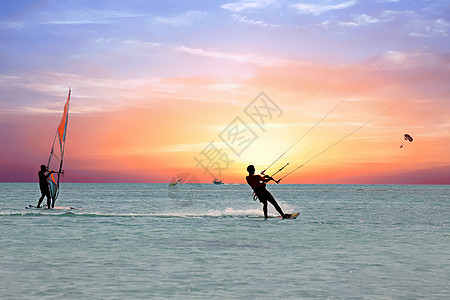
pixel 217 181
pixel 175 183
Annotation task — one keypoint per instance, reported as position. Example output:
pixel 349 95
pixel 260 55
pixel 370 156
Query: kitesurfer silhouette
pixel 258 184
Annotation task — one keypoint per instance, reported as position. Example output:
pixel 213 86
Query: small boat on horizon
pixel 217 181
pixel 175 183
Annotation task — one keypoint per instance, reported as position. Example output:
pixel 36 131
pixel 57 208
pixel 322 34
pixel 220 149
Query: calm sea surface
pixel 149 241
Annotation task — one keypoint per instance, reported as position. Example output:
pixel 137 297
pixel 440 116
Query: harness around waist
pixel 261 192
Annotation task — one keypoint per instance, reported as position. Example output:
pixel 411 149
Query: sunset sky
pixel 162 88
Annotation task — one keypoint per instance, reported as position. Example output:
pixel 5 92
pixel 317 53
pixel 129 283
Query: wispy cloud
pixel 237 57
pixel 136 44
pixel 323 6
pixel 244 19
pixel 405 60
pixel 182 19
pixel 360 20
pixel 70 17
pixel 82 17
pixel 89 16
pixel 247 4
pixel 439 27
pixel 89 91
pixel 387 1
pixel 12 25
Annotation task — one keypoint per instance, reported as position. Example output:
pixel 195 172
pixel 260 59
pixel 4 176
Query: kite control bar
pixel 271 177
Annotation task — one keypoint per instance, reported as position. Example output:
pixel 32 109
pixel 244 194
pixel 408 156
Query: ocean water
pixel 205 241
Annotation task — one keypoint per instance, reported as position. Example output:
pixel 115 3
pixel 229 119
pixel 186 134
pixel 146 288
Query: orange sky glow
pixel 145 109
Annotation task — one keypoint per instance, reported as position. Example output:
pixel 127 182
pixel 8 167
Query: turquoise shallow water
pixel 131 241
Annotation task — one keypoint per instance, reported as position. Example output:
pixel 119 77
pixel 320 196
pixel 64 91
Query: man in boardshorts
pixel 258 184
pixel 43 185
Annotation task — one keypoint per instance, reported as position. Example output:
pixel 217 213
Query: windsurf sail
pixel 55 160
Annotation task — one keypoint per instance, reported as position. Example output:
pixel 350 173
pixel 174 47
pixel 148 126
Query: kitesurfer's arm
pixel 267 178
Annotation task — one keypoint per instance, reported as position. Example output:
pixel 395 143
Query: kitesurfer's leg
pixel 272 200
pixel 264 203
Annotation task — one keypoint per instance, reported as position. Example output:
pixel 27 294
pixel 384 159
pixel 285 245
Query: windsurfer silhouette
pixel 258 184
pixel 43 185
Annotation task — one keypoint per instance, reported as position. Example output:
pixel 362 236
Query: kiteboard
pixel 290 216
pixel 45 207
pixel 293 216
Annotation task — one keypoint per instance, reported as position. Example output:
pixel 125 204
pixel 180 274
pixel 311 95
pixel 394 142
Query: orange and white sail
pixel 55 160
